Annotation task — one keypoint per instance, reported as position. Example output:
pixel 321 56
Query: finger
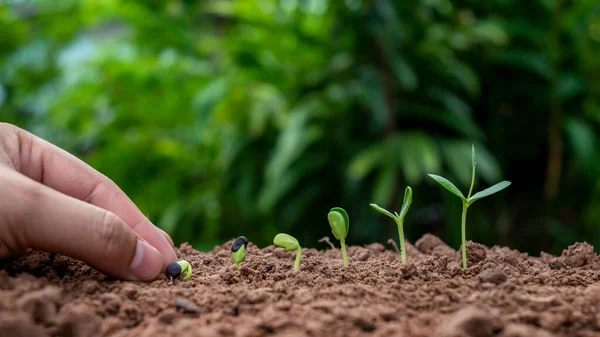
pixel 59 170
pixel 41 218
pixel 168 237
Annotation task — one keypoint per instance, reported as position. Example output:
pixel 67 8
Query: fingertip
pixel 147 262
pixel 167 236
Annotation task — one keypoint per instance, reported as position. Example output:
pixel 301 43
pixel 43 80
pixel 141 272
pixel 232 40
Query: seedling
pixel 327 241
pixel 340 223
pixel 290 244
pixel 399 218
pixel 176 269
pixel 238 251
pixel 469 200
pixel 392 243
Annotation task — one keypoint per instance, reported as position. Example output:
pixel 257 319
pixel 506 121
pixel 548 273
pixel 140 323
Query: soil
pixel 503 293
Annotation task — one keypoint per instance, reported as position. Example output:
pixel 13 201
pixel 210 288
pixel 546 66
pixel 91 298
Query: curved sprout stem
pixel 393 244
pixel 186 268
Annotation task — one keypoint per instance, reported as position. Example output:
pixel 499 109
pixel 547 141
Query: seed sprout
pixel 469 200
pixel 238 251
pixel 340 223
pixel 392 243
pixel 176 269
pixel 399 218
pixel 327 241
pixel 290 244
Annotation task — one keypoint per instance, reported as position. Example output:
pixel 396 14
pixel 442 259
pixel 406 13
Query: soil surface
pixel 503 293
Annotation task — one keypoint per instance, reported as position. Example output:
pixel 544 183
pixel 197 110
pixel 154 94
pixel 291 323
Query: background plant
pixel 218 116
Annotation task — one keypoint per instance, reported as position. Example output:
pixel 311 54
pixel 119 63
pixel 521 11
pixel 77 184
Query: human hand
pixel 52 201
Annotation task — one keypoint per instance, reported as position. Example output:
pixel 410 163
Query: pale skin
pixel 52 201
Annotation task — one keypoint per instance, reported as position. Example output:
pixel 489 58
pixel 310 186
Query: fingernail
pixel 147 262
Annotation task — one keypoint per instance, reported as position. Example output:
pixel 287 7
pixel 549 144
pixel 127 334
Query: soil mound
pixel 503 293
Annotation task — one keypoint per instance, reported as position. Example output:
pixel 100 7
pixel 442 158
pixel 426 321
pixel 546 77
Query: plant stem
pixel 343 244
pixel 402 244
pixel 464 236
pixel 238 265
pixel 297 263
pixel 472 182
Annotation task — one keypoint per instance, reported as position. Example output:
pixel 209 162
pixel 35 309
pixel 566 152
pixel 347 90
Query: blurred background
pixel 249 117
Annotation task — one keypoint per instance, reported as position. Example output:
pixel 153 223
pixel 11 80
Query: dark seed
pixel 173 270
pixel 239 242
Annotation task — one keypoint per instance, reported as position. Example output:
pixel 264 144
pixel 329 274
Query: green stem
pixel 238 265
pixel 343 244
pixel 402 244
pixel 472 182
pixel 297 263
pixel 464 236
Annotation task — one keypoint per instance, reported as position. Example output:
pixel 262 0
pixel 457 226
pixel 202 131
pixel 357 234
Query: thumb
pixel 39 217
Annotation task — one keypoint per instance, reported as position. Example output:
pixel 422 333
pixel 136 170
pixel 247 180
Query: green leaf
pixel 489 191
pixel 286 242
pixel 406 203
pixel 382 211
pixel 339 222
pixel 448 185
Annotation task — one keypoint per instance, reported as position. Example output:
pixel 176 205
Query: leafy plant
pixel 290 244
pixel 469 200
pixel 340 223
pixel 176 269
pixel 399 218
pixel 238 251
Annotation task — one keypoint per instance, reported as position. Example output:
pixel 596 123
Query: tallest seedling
pixel 466 202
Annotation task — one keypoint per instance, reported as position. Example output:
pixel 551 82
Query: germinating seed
pixel 239 242
pixel 173 270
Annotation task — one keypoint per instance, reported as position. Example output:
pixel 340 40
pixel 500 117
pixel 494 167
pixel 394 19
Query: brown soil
pixel 503 293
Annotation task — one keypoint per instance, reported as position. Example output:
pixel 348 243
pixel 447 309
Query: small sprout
pixel 399 218
pixel 327 241
pixel 175 269
pixel 290 244
pixel 469 200
pixel 340 223
pixel 393 244
pixel 238 251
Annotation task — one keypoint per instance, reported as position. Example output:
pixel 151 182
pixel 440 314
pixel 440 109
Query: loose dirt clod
pixel 493 275
pixel 503 293
pixel 186 307
pixel 471 322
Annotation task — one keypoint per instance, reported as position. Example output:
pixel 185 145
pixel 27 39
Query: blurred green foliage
pixel 251 117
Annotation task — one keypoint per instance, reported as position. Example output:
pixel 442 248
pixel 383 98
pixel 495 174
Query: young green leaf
pixel 340 225
pixel 489 191
pixel 339 222
pixel 406 203
pixel 286 242
pixel 289 243
pixel 447 185
pixel 382 210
